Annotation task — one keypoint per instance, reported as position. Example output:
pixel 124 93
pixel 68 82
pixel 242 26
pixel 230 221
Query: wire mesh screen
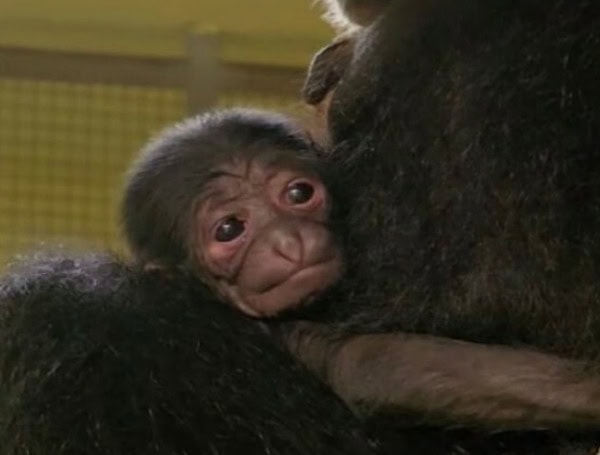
pixel 64 149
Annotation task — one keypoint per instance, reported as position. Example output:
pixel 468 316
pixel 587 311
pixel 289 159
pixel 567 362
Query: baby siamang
pixel 237 198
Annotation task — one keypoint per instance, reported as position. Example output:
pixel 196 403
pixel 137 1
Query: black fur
pixel 467 136
pixel 98 358
pixel 473 172
pixel 489 230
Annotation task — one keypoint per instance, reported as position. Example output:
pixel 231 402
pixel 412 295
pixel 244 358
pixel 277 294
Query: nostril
pixel 289 246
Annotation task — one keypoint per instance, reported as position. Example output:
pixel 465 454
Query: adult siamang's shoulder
pixel 99 298
pixel 57 291
pixel 99 357
pixel 55 277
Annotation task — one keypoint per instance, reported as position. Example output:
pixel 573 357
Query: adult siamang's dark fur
pixel 472 161
pixel 98 358
pixel 467 137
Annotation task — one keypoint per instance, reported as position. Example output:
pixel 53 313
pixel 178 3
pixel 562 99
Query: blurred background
pixel 84 83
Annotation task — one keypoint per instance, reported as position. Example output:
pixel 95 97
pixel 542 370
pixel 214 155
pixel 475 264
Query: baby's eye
pixel 300 192
pixel 229 229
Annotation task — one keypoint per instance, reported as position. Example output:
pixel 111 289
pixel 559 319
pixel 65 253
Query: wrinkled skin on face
pixel 261 235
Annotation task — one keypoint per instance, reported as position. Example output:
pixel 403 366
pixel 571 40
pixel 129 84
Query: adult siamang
pixel 466 138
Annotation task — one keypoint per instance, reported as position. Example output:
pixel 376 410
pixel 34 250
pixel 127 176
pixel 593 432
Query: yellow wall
pixel 64 150
pixel 283 32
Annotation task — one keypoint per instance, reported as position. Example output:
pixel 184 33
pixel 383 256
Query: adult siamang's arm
pixel 448 381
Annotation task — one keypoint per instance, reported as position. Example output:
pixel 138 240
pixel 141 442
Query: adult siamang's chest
pixel 471 180
pixel 450 239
